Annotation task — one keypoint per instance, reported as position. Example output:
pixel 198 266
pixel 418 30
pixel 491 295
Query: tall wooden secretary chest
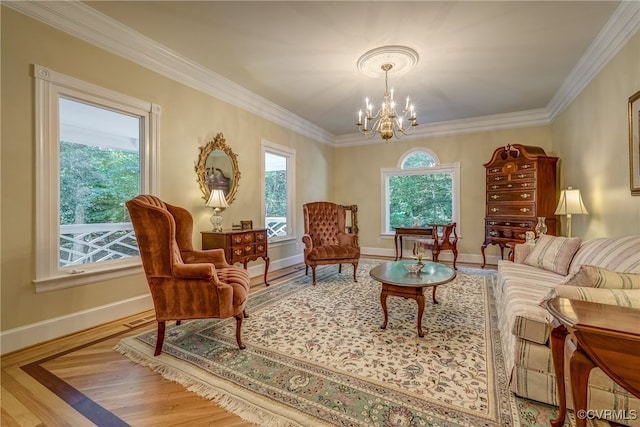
pixel 520 187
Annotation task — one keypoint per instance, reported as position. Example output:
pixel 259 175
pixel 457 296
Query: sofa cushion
pixel 596 277
pixel 553 253
pixel 616 254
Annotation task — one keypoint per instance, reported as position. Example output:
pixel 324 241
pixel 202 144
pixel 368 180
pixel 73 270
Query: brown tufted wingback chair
pixel 184 283
pixel 326 240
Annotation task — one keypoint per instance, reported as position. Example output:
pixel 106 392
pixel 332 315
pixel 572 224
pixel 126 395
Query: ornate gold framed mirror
pixel 217 168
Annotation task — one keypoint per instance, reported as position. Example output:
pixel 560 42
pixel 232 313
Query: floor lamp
pixel 570 203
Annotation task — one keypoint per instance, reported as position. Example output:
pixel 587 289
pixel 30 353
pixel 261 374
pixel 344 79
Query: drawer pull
pixel 238 252
pixel 507 224
pixel 509 185
pixel 494 209
pixel 498 178
pixel 522 175
pixel 495 170
pixel 525 195
pixel 495 197
pixel 524 225
pixel 238 239
pixel 524 209
pixel 524 184
pixel 260 248
pixel 260 236
pixel 247 248
pixel 526 166
pixel 495 187
pixel 492 223
pixel 522 236
pixel 493 233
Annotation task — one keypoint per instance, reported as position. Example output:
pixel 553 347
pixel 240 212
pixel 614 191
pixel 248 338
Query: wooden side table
pixel 409 231
pixel 239 246
pixel 606 336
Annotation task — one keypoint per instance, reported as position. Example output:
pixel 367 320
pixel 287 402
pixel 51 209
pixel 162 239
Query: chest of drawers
pixel 520 187
pixel 239 245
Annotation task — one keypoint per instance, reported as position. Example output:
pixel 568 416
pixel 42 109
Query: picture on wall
pixel 634 143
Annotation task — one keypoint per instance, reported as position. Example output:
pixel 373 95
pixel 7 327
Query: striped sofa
pixel 524 323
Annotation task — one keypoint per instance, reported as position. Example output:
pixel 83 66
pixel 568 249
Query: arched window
pixel 420 191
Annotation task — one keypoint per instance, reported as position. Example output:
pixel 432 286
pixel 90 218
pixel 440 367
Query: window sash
pixel 289 154
pixel 50 87
pixel 386 174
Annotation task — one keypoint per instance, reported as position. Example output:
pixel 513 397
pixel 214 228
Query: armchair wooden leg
pixel 306 270
pixel 239 331
pixel 355 270
pixel 455 257
pixel 244 313
pixel 313 274
pixel 160 338
pixel 339 268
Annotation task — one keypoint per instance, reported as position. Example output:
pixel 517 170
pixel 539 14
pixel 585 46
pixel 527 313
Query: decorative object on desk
pixel 419 248
pixel 217 201
pixel 414 268
pixel 530 238
pixel 246 225
pixel 634 143
pixel 387 121
pixel 570 203
pixel 541 226
pixel 236 226
pixel 217 169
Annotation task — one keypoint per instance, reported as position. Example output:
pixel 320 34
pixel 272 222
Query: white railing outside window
pixel 276 226
pixel 90 243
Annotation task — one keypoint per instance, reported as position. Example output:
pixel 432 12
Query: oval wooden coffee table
pixel 397 281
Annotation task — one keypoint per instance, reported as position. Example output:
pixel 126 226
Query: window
pixel 278 166
pixel 420 191
pixel 96 149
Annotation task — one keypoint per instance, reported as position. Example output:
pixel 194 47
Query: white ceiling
pixel 476 58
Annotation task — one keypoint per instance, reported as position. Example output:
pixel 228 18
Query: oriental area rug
pixel 316 356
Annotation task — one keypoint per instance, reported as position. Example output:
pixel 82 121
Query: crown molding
pixel 623 24
pixel 85 23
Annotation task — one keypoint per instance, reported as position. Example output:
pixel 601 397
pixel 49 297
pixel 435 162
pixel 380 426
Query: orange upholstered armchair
pixel 326 240
pixel 184 283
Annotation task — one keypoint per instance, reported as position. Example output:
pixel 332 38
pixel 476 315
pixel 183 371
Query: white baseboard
pixel 35 333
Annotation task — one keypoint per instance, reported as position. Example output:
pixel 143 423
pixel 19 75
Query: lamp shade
pixel 217 200
pixel 571 203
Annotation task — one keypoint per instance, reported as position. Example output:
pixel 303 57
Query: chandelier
pixel 387 121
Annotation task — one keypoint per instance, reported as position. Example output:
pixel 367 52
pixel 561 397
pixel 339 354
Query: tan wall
pixel 592 138
pixel 359 181
pixel 189 119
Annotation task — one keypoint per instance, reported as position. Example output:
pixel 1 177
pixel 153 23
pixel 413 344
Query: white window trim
pixel 385 173
pixel 290 154
pixel 427 151
pixel 48 86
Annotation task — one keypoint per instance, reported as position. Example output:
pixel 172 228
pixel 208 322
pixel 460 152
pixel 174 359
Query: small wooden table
pixel 240 246
pixel 607 337
pixel 397 281
pixel 409 231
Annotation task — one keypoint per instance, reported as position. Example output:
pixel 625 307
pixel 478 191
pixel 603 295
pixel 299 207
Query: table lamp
pixel 570 203
pixel 217 201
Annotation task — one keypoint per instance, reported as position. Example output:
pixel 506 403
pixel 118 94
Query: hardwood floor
pixel 79 380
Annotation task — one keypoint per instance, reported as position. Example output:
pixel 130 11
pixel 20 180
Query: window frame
pixel 438 168
pixel 290 154
pixel 49 87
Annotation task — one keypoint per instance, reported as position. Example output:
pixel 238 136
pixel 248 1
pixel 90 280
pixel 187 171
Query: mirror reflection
pixel 217 168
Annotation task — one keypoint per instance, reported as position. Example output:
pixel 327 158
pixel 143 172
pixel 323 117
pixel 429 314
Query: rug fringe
pixel 243 409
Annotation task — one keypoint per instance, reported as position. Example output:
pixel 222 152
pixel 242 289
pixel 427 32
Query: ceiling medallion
pixel 387 121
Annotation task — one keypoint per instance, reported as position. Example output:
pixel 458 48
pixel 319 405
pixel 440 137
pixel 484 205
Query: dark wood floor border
pixel 72 396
